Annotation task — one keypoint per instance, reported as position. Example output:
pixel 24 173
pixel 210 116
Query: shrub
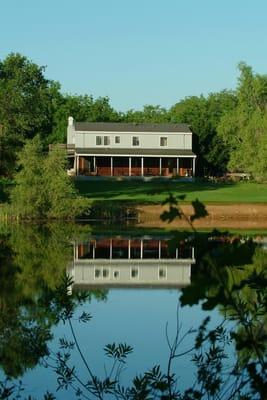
pixel 43 189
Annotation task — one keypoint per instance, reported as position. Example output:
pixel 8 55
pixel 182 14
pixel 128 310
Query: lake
pixel 109 312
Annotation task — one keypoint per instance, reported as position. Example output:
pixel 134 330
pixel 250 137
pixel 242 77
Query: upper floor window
pixel 98 140
pixel 135 141
pixel 106 140
pixel 164 141
pixel 117 139
pixel 134 272
pixel 162 273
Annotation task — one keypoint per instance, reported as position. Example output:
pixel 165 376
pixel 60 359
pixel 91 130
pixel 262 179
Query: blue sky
pixel 138 51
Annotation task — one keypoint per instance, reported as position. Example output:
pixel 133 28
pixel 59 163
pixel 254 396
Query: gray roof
pixel 108 284
pixel 130 127
pixel 135 152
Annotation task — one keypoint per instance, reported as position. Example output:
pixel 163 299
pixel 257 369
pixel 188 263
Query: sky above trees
pixel 138 52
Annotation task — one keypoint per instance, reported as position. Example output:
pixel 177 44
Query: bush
pixel 43 189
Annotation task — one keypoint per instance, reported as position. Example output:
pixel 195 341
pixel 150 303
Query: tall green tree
pixel 244 129
pixel 82 108
pixel 25 99
pixel 149 114
pixel 203 115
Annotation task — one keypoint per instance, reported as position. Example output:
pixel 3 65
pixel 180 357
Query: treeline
pixel 230 127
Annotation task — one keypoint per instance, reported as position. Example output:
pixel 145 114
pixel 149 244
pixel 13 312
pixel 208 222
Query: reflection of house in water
pixel 120 262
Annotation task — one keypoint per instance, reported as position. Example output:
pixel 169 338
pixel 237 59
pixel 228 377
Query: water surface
pixel 140 290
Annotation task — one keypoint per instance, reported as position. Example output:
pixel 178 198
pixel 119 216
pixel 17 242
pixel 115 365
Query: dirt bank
pixel 243 216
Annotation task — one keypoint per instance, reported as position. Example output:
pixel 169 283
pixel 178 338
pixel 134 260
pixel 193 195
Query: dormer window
pixel 163 141
pixel 135 141
pixel 117 139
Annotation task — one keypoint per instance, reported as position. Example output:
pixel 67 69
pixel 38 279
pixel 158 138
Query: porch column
pixel 129 248
pixel 160 165
pixel 177 165
pixel 94 163
pixel 130 166
pixel 194 166
pixel 142 166
pixel 159 249
pixel 111 166
pixel 77 160
pixel 141 249
pixel 110 248
pixel 75 165
pixel 94 251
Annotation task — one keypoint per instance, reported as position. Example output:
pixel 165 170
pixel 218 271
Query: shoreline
pixel 235 215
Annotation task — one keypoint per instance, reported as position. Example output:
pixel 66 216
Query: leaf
pixel 171 199
pixel 118 352
pixel 85 317
pixel 65 344
pixel 171 214
pixel 200 210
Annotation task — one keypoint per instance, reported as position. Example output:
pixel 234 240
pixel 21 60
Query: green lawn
pixel 156 191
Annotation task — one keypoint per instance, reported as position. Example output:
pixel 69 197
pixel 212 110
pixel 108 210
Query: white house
pixel 131 262
pixel 129 149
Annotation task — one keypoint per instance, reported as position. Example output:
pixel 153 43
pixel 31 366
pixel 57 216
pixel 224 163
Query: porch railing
pixel 136 171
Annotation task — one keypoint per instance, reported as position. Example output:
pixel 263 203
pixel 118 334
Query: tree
pixel 62 199
pixel 43 189
pixel 203 115
pixel 244 129
pixel 25 97
pixel 149 114
pixel 28 196
pixel 82 108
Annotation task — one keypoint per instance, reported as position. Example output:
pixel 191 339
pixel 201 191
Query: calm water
pixel 144 290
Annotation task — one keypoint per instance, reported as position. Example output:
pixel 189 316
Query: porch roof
pixel 135 152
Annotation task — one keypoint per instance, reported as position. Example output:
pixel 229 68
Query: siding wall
pixel 181 141
pixel 176 274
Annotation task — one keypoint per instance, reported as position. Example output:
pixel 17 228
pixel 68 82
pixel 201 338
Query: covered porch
pixel 134 166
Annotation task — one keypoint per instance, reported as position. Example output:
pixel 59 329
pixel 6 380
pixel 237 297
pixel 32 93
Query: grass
pixel 157 191
pixel 135 230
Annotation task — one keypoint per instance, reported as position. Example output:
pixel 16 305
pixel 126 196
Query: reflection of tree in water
pixel 33 261
pixel 233 278
pixel 19 333
pixel 250 289
pixel 230 277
